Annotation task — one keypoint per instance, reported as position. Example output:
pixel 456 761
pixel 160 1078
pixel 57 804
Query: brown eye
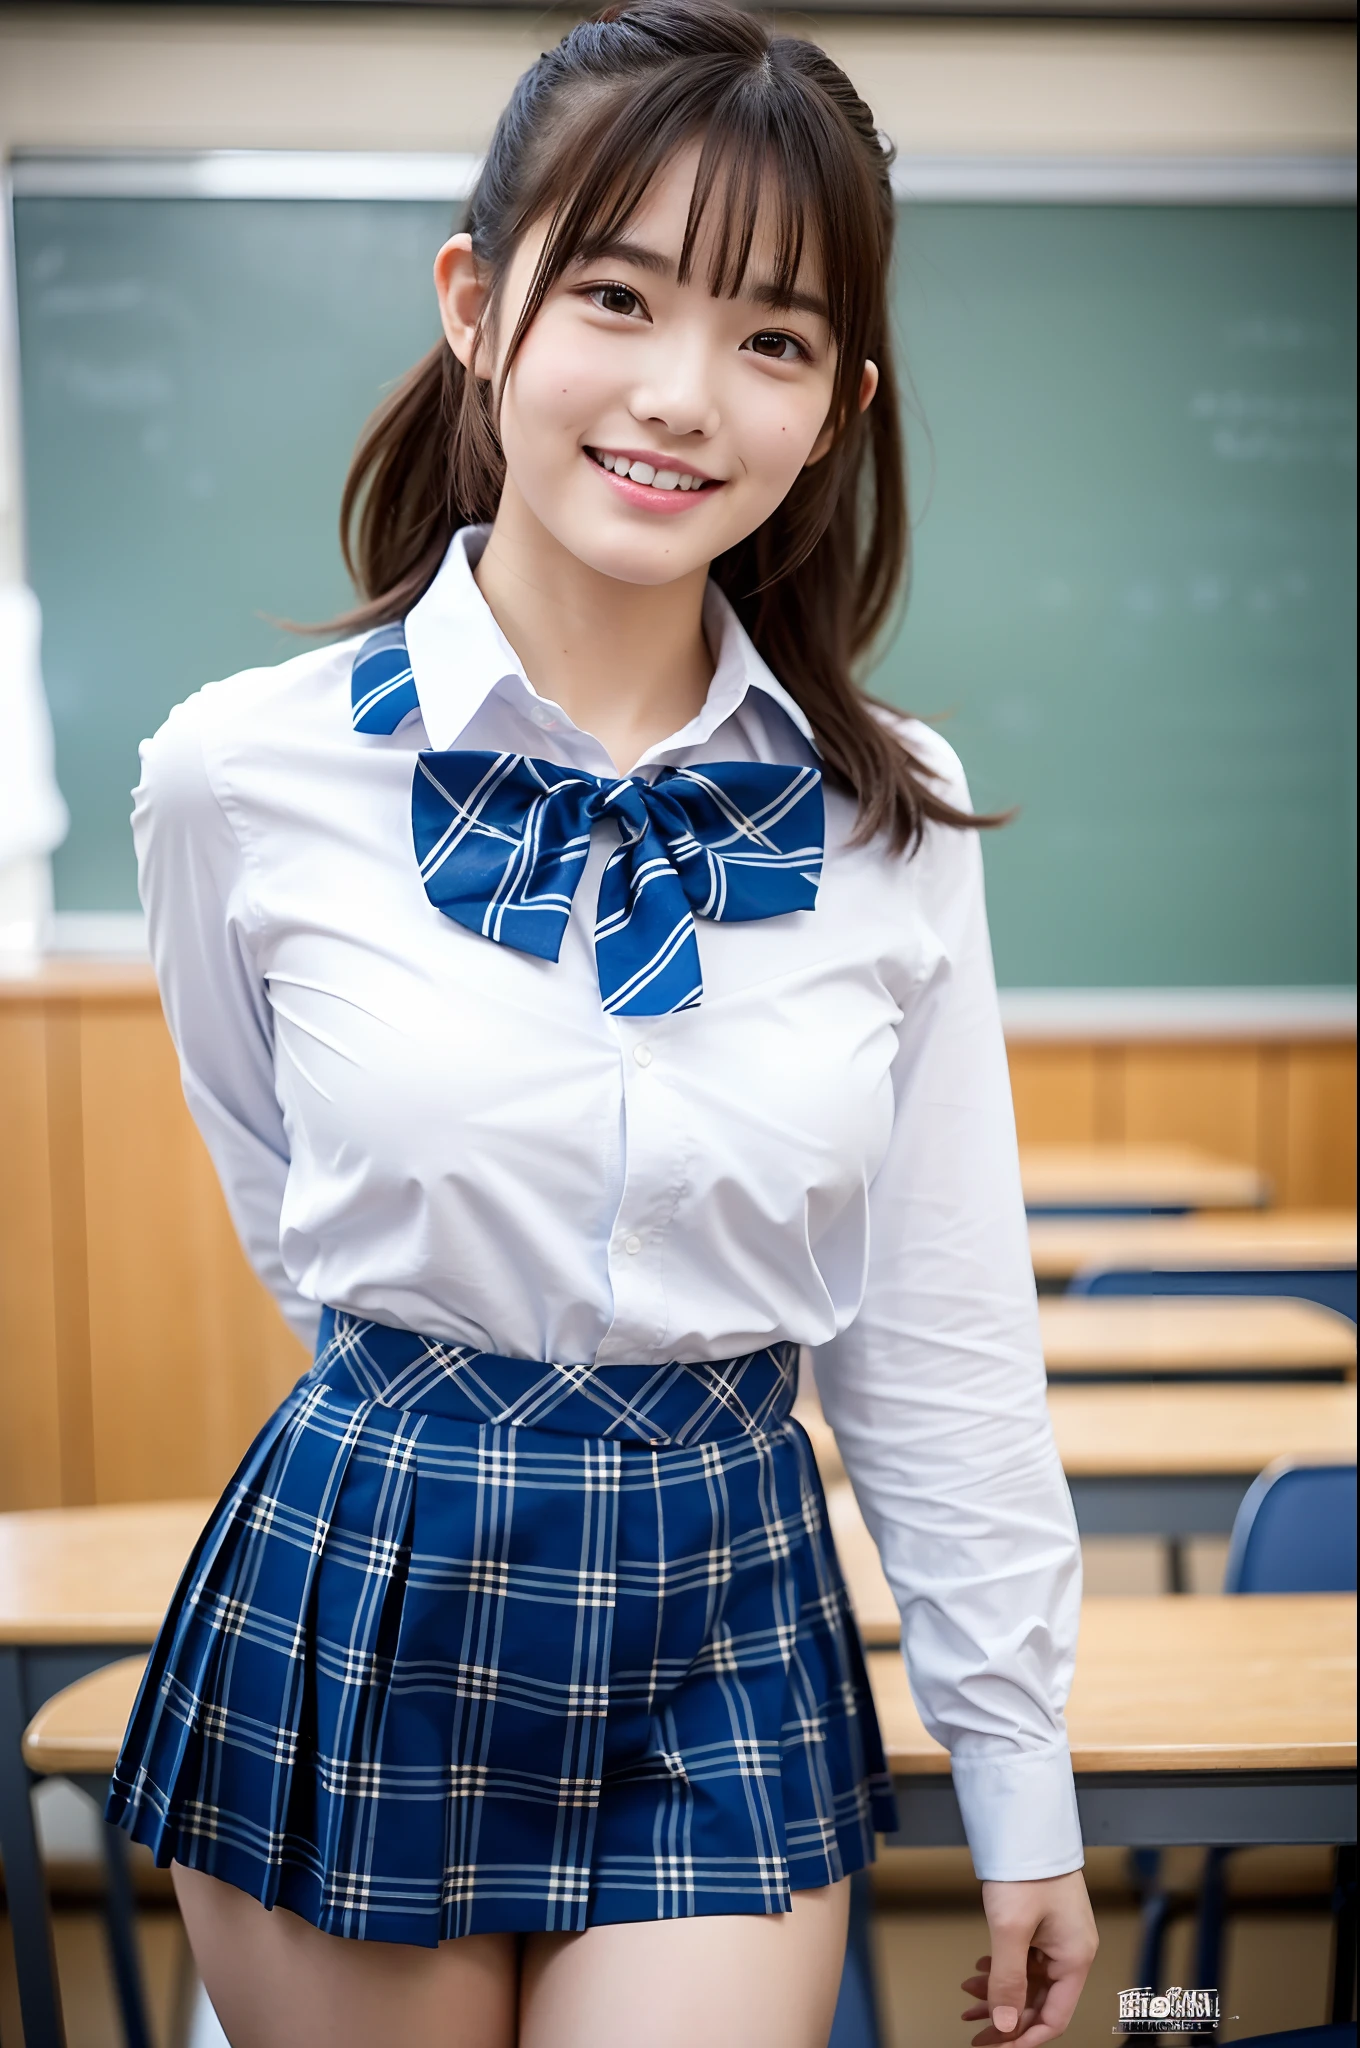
pixel 615 298
pixel 778 348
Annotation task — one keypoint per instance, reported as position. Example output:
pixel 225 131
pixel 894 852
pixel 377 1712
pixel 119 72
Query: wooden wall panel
pixel 1319 1128
pixel 1056 1092
pixel 188 1353
pixel 1207 1095
pixel 70 1263
pixel 30 1423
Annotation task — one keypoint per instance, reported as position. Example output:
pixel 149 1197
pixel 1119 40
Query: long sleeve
pixel 936 1392
pixel 192 877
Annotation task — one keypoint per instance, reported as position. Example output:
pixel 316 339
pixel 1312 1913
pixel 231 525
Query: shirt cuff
pixel 1020 1813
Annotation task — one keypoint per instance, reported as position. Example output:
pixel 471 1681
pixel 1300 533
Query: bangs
pixel 775 163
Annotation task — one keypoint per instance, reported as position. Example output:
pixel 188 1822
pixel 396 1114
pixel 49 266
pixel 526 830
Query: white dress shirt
pixel 425 1127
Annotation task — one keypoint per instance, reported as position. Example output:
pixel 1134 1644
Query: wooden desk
pixel 1166 1178
pixel 1169 1461
pixel 1142 1337
pixel 1179 1431
pixel 870 1595
pixel 1177 1461
pixel 93 1575
pixel 1213 1688
pixel 1064 1245
pixel 78 1588
pixel 1227 1683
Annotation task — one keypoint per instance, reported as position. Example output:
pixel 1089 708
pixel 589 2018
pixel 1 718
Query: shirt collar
pixel 459 655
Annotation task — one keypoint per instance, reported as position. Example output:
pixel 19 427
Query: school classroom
pixel 1126 310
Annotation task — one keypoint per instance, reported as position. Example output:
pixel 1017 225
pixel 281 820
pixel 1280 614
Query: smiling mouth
pixel 652 475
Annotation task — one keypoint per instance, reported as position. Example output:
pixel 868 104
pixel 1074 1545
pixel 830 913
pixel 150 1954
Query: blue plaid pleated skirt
pixel 473 1645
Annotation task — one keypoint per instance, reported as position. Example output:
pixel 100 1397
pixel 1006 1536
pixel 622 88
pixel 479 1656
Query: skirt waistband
pixel 651 1405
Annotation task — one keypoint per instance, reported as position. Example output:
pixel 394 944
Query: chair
pixel 1294 1533
pixel 1332 1286
pixel 77 1734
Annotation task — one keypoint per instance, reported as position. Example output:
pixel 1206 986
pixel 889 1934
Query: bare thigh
pixel 741 1980
pixel 276 1982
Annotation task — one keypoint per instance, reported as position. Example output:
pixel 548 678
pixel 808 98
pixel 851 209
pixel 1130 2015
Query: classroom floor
pixel 929 1926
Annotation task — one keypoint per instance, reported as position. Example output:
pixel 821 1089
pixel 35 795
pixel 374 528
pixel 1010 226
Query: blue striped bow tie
pixel 502 839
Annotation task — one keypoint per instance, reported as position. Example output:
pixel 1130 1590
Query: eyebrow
pixel 762 293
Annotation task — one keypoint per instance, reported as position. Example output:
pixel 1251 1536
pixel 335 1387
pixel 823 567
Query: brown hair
pixel 586 130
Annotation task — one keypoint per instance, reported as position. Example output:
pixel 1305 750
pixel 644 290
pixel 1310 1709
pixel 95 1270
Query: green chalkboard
pixel 1133 465
pixel 194 373
pixel 1133 459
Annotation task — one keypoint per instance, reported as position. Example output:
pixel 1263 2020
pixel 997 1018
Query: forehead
pixel 735 228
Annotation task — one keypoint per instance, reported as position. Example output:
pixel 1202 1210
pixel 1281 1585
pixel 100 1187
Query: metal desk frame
pixel 29 1675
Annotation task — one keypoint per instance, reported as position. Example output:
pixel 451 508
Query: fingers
pixel 1008 1978
pixel 1056 2003
pixel 1049 2002
pixel 1025 2037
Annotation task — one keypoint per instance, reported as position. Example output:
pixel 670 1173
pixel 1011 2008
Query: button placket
pixel 652 1160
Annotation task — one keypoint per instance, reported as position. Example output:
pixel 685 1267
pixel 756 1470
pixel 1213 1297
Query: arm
pixel 192 875
pixel 936 1393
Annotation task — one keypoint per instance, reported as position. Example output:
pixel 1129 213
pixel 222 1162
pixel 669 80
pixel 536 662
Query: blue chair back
pixel 1295 1532
pixel 1331 1286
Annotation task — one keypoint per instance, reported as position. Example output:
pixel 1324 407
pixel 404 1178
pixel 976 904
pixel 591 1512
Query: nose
pixel 677 389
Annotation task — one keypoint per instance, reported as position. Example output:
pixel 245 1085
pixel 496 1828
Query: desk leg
pixel 122 1928
pixel 26 1887
pixel 1343 1936
pixel 1177 1572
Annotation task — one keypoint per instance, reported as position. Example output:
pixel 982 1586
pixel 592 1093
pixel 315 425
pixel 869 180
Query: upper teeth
pixel 643 473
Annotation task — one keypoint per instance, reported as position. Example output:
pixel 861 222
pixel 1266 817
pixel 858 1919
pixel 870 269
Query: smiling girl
pixel 512 1691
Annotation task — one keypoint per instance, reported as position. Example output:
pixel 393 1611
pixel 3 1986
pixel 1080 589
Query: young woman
pixel 512 1692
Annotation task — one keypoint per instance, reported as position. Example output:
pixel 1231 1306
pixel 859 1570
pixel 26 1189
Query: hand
pixel 1044 1942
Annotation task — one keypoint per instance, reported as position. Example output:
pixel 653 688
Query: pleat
pixel 212 1784
pixel 838 1791
pixel 346 1767
pixel 163 1726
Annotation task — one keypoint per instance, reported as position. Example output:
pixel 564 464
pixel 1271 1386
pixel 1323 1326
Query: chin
pixel 643 560
pixel 645 573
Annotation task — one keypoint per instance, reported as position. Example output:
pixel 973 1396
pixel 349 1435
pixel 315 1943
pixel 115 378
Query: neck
pixel 627 662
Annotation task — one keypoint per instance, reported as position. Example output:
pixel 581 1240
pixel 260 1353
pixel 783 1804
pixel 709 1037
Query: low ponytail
pixel 427 462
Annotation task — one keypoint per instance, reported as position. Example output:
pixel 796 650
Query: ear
pixel 462 295
pixel 868 385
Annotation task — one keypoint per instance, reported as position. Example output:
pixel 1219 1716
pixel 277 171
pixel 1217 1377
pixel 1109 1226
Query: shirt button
pixel 544 717
pixel 632 1245
pixel 643 1055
